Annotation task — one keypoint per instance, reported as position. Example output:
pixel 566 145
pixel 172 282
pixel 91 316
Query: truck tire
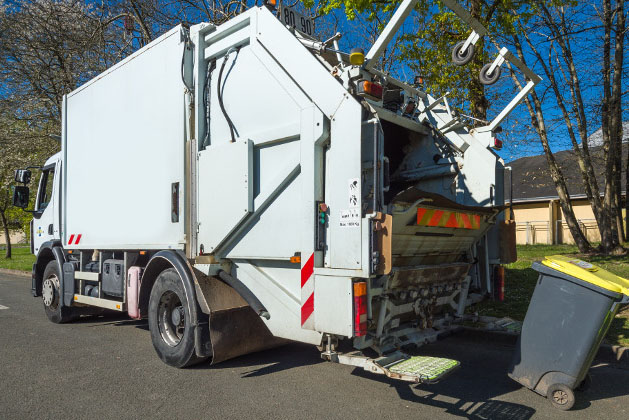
pixel 51 295
pixel 169 321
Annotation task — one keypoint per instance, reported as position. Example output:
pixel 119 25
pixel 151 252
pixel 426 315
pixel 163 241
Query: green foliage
pixel 426 47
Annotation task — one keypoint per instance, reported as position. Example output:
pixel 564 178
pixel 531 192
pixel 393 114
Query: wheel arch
pixel 164 260
pixel 159 262
pixel 51 250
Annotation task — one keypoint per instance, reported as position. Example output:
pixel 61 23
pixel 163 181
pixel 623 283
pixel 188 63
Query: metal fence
pixel 540 231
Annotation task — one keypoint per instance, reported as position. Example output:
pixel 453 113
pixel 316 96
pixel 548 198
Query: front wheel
pixel 51 295
pixel 169 321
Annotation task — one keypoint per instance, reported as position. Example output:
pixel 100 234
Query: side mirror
pixel 23 176
pixel 20 196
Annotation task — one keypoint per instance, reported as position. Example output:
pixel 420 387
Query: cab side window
pixel 46 183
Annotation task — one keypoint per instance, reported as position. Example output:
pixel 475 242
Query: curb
pixel 15 272
pixel 607 353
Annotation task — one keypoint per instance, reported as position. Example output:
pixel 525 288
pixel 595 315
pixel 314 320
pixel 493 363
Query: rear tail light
pixel 410 108
pixel 360 309
pixel 497 144
pixel 370 90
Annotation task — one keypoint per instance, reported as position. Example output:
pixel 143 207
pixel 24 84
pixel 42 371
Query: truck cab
pixel 47 210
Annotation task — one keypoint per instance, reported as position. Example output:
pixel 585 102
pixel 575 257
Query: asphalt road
pixel 106 368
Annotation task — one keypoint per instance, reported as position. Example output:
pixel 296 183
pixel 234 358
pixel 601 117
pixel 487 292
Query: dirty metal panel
pixel 422 275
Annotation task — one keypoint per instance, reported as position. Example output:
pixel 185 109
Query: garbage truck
pixel 247 184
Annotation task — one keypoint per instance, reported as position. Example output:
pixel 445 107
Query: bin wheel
pixel 585 383
pixel 560 396
pixel 460 57
pixel 487 78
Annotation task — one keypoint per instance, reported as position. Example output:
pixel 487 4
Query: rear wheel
pixel 169 321
pixel 51 295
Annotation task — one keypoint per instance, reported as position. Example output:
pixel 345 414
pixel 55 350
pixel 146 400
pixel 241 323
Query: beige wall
pixel 16 237
pixel 533 227
pixel 532 223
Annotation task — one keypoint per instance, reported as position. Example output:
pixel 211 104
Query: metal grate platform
pixel 428 369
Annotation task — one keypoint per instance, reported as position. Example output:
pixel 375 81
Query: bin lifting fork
pixel 462 54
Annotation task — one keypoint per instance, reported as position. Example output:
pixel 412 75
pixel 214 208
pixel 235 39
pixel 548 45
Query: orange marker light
pixel 295 260
pixel 370 89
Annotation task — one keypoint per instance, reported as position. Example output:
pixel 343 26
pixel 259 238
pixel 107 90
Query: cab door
pixel 46 214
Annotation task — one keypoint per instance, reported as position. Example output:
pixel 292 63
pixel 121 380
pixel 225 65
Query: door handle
pixel 50 229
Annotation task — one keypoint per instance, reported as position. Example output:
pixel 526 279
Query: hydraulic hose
pixel 246 294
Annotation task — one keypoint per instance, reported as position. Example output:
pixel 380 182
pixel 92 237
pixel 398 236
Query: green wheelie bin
pixel 572 307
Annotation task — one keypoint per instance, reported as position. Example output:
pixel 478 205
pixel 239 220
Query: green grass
pixel 520 281
pixel 21 259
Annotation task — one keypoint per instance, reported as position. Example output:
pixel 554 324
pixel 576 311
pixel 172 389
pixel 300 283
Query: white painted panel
pixel 333 305
pixel 272 232
pixel 343 165
pixel 303 67
pixel 124 147
pixel 277 285
pixel 253 99
pixel 226 190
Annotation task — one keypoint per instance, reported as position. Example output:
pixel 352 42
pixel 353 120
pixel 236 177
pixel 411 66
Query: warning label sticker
pixel 350 218
pixel 354 193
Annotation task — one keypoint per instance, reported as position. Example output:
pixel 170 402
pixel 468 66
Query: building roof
pixel 532 180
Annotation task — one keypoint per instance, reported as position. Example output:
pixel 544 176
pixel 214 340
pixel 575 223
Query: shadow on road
pixel 267 362
pixel 469 392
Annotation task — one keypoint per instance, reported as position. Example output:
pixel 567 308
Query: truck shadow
pixel 112 318
pixel 268 362
pixel 471 401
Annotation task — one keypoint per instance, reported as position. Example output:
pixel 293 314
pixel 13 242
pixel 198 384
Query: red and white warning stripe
pixel 78 239
pixel 307 293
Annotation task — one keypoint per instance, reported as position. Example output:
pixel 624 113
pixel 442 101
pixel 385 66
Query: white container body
pixel 123 147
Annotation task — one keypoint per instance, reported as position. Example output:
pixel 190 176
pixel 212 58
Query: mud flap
pixel 508 249
pixel 234 328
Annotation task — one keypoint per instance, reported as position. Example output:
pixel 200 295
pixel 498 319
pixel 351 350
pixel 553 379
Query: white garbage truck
pixel 246 184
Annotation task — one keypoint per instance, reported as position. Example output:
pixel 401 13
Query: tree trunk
pixel 537 120
pixel 478 100
pixel 616 114
pixel 7 235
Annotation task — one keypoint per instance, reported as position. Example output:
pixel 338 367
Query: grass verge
pixel 21 259
pixel 520 281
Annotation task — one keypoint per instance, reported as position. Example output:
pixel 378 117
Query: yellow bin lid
pixel 588 272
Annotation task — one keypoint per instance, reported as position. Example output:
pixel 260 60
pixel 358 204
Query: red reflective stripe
pixel 436 218
pixel 420 214
pixel 307 270
pixel 71 239
pixel 307 309
pixel 452 221
pixel 78 238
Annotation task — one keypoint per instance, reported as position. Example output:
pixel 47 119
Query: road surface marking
pixel 3 307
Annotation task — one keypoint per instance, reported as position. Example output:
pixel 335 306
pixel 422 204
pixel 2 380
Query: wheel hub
pixel 171 318
pixel 560 397
pixel 177 315
pixel 49 292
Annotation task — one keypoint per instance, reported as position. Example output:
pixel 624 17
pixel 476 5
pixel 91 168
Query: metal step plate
pixel 427 369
